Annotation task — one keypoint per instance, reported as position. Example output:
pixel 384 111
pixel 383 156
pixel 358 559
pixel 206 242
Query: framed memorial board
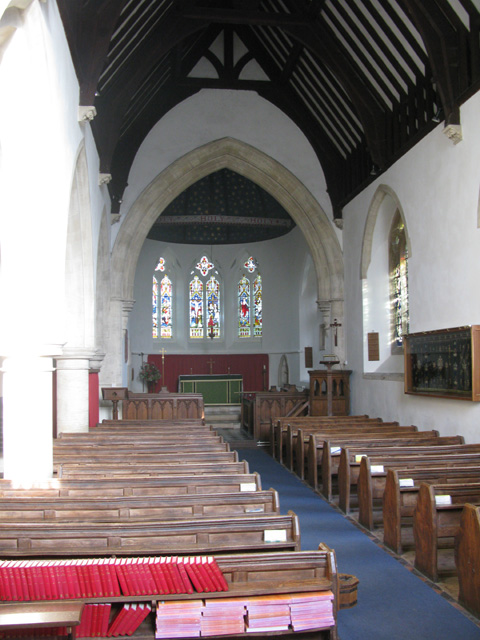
pixel 444 363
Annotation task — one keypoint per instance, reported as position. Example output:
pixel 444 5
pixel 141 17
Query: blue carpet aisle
pixel 393 603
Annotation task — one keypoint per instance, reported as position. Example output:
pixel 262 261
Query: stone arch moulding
pixel 252 164
pixel 377 200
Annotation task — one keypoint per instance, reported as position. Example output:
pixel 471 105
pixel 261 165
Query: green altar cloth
pixel 215 388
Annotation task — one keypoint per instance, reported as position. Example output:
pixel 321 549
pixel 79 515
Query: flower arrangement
pixel 149 372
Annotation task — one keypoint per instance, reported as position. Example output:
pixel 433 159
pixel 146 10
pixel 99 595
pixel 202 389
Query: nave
pixel 393 602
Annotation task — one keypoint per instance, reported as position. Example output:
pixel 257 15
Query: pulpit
pixel 329 392
pixel 216 389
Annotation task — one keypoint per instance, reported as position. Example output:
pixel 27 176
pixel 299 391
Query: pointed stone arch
pixel 381 193
pixel 252 164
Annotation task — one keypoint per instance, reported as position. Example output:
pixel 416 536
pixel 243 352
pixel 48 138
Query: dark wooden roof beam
pixel 242 17
pixel 89 29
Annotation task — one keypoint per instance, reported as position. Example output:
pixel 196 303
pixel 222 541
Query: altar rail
pixel 156 406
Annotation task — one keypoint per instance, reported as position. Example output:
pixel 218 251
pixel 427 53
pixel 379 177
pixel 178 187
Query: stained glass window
pixel 154 308
pixel 244 329
pixel 398 281
pixel 162 303
pixel 205 307
pixel 257 298
pixel 204 266
pixel 250 302
pixel 213 307
pixel 166 307
pixel 196 308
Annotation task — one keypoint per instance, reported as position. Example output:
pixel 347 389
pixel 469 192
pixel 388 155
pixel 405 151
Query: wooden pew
pixel 467 559
pixel 133 439
pixel 297 443
pixel 133 459
pixel 401 492
pixel 435 523
pixel 350 462
pixel 324 456
pixel 279 426
pixel 121 424
pixel 152 453
pixel 372 478
pixel 136 486
pixel 180 537
pixel 135 508
pixel 111 470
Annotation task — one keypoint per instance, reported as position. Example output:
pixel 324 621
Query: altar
pixel 215 388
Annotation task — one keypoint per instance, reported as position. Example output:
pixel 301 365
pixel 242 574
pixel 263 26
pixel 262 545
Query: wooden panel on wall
pixel 373 346
pixel 308 357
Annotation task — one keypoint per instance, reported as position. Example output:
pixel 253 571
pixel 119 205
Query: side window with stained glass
pixel 249 301
pixel 398 263
pixel 162 302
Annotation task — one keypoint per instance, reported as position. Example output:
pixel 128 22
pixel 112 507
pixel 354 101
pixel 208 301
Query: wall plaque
pixel 443 363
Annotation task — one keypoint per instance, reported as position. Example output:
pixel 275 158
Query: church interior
pixel 230 207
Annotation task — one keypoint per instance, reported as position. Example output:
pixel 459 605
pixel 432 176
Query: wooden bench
pixel 279 427
pixel 142 509
pixel 467 558
pixel 148 453
pixel 437 521
pixel 134 459
pixel 133 439
pixel 110 470
pixel 180 537
pixel 136 486
pixel 372 479
pixel 350 462
pixel 324 457
pixel 401 492
pixel 31 616
pixel 297 443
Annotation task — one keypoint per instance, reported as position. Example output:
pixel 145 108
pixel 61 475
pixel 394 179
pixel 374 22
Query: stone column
pixel 28 418
pixel 73 368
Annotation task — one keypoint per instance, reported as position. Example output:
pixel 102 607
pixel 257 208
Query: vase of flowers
pixel 150 374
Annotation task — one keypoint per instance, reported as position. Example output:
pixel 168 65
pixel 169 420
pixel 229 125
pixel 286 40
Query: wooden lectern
pixel 115 394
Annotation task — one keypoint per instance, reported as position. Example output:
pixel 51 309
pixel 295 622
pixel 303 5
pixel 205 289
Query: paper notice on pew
pixel 442 500
pixel 334 451
pixel 377 468
pixel 275 535
pixel 406 482
pixel 248 486
pixel 358 457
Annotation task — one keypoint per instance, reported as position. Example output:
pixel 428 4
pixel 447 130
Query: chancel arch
pixel 254 165
pixel 385 221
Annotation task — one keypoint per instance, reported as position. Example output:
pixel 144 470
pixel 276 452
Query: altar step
pixel 224 416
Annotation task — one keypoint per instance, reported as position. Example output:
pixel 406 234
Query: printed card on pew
pixel 335 451
pixel 358 457
pixel 248 486
pixel 406 482
pixel 275 535
pixel 377 468
pixel 443 500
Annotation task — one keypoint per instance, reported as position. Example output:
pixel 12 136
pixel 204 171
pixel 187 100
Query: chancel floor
pixel 394 601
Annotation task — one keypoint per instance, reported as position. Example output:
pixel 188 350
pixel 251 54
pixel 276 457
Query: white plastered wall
pixel 437 186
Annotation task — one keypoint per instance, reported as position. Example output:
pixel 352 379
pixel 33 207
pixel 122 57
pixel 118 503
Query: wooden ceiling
pixel 364 80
